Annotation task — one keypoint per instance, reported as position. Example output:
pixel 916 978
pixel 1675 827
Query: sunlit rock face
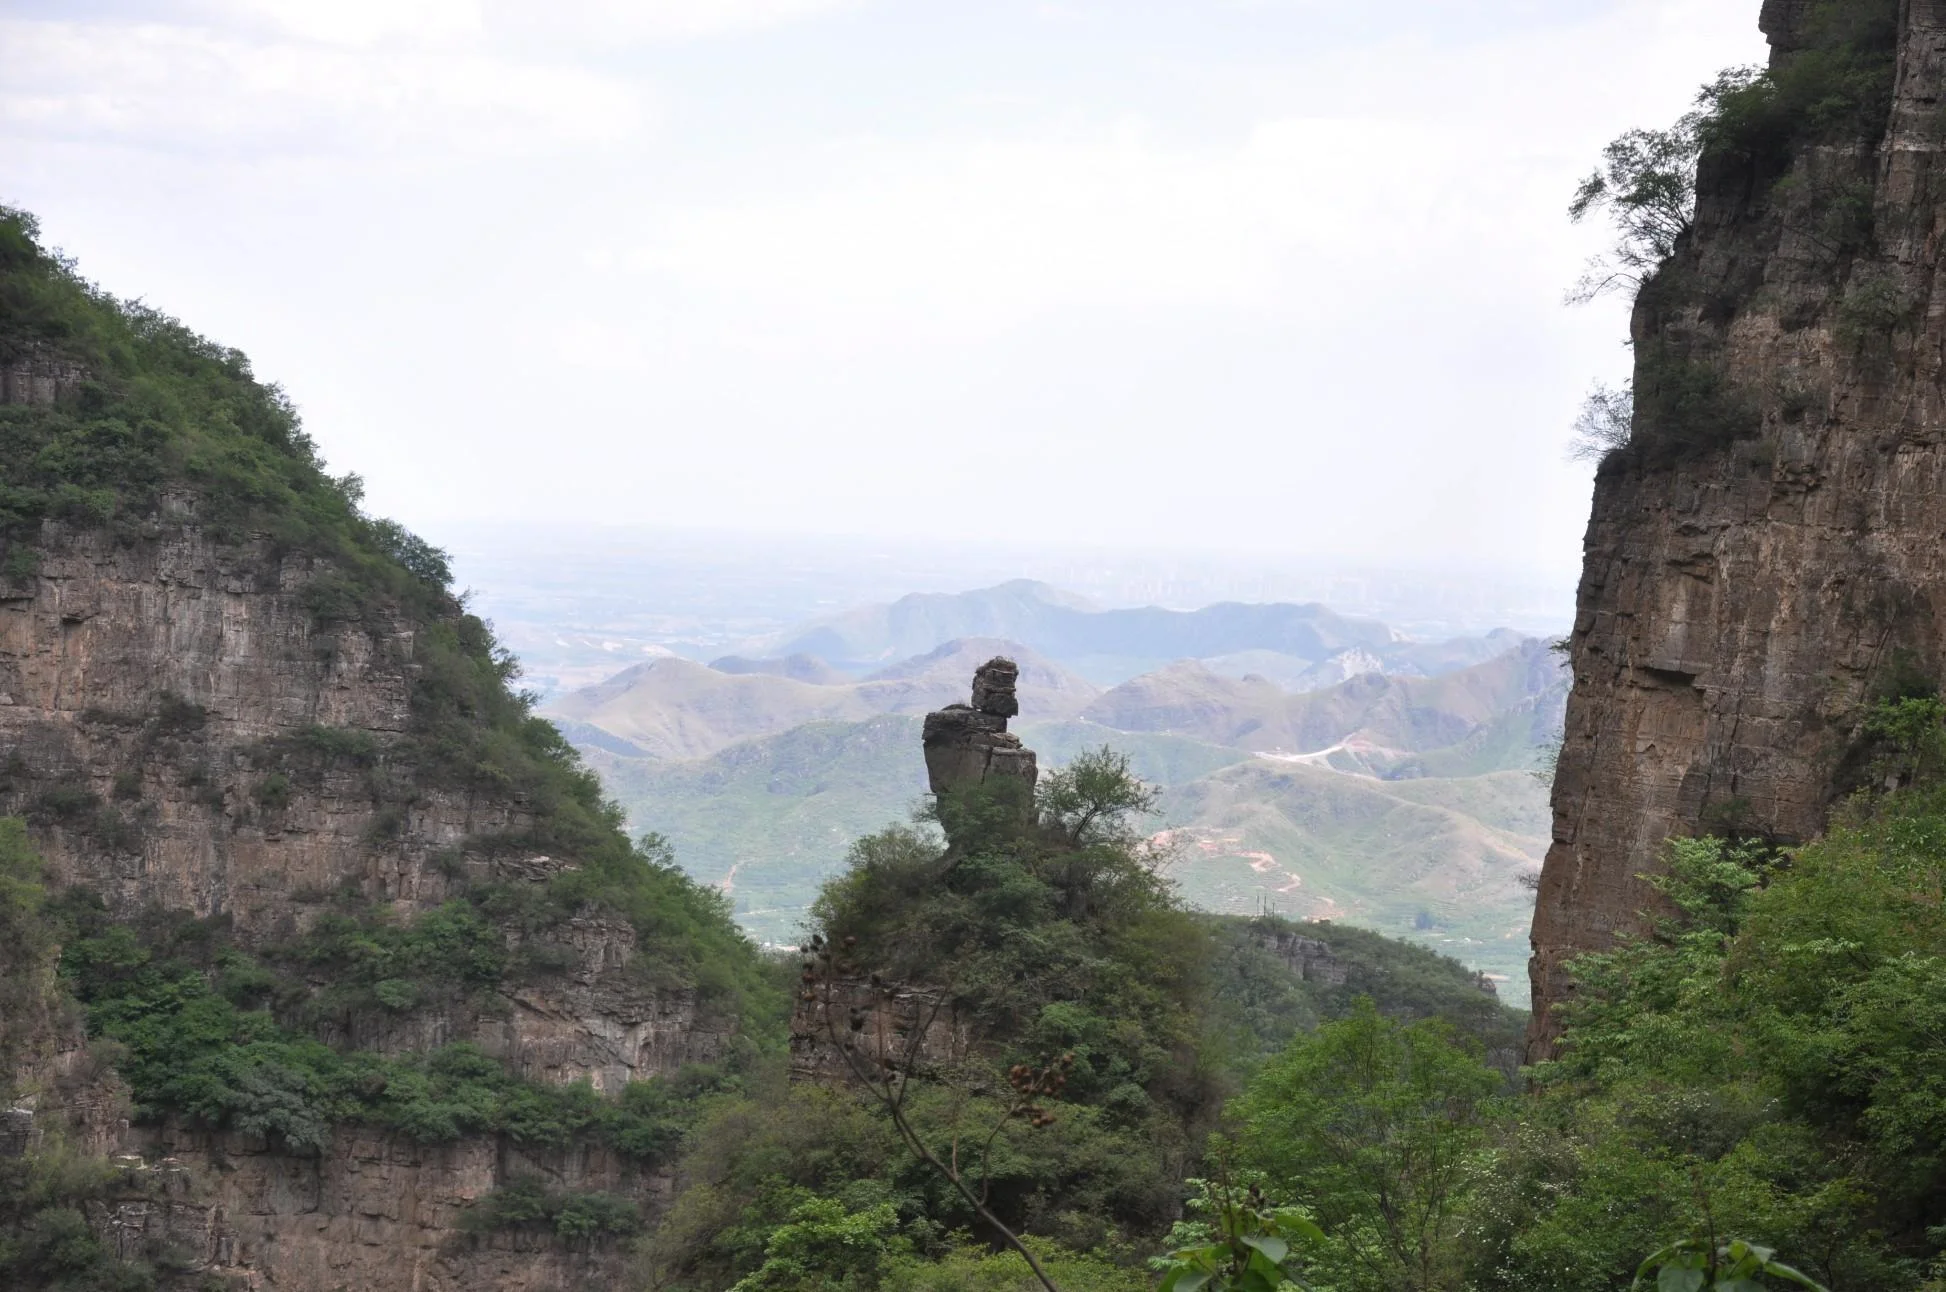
pixel 1739 604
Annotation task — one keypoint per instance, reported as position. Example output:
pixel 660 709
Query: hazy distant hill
pixel 798 668
pixel 1112 645
pixel 1393 798
pixel 1383 720
pixel 678 709
pixel 1438 859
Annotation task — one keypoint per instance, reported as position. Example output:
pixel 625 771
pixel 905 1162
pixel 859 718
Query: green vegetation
pixel 527 1203
pixel 45 1239
pixel 1684 405
pixel 163 412
pixel 206 1031
pixel 1384 1123
pixel 1756 1078
pixel 1109 1024
pixel 1837 87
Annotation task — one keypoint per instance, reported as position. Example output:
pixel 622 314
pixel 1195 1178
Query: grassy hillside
pixel 768 820
pixel 1439 862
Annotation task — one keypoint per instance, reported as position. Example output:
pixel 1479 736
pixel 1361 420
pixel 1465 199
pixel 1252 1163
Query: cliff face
pixel 196 727
pixel 146 686
pixel 1740 606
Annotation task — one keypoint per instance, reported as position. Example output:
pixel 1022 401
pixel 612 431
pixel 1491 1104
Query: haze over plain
pixel 1280 276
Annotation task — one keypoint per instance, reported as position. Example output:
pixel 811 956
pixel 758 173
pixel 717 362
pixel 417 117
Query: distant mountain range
pixel 1370 723
pixel 676 708
pixel 1438 859
pixel 1296 774
pixel 1110 646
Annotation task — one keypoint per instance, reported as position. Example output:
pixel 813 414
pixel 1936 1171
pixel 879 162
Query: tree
pixel 1646 185
pixel 1606 423
pixel 1090 800
pixel 1377 1126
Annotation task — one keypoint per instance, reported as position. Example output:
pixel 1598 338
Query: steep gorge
pixel 1764 558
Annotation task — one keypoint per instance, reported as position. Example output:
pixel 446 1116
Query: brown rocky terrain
pixel 140 685
pixel 1743 601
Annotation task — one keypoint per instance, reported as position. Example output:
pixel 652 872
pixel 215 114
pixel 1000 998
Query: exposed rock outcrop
pixel 968 747
pixel 1741 601
pixel 145 680
pixel 39 376
pixel 1308 958
pixel 903 1024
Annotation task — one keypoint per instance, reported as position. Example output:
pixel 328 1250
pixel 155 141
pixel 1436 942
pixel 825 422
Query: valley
pixel 1384 781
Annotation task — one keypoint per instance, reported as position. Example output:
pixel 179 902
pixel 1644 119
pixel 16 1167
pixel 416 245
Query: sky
pixel 1264 275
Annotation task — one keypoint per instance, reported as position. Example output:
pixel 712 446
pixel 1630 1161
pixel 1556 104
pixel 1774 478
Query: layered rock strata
pixel 1740 604
pixel 968 746
pixel 144 680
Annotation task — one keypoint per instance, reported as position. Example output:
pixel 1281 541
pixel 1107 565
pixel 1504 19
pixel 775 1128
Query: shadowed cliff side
pixel 1763 557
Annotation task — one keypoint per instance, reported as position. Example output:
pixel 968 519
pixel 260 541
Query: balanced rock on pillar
pixel 968 745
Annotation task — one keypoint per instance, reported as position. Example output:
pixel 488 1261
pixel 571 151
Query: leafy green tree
pixel 1380 1128
pixel 828 1248
pixel 1702 1265
pixel 1646 185
pixel 1912 730
pixel 1237 1243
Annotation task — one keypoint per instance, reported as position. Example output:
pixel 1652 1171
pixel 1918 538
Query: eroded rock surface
pixel 968 746
pixel 151 686
pixel 1739 605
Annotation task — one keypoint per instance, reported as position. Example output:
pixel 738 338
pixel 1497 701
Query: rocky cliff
pixel 244 721
pixel 1764 557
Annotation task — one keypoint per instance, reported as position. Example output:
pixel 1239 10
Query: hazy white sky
pixel 1283 274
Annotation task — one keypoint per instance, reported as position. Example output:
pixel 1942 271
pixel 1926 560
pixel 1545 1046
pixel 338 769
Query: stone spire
pixel 968 745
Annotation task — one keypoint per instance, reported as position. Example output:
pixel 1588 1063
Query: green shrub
pixel 1838 87
pixel 198 1023
pixel 273 792
pixel 527 1203
pixel 67 803
pixel 1685 407
pixel 20 564
pixel 1872 311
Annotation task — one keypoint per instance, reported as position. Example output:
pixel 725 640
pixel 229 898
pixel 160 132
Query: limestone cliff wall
pixel 1737 607
pixel 142 679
